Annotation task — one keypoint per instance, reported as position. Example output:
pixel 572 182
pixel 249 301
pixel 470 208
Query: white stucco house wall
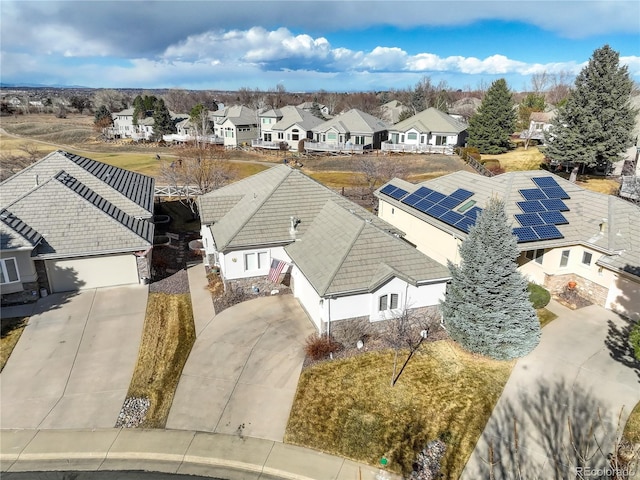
pixel 565 233
pixel 68 222
pixel 237 125
pixel 430 131
pixel 344 262
pixel 285 126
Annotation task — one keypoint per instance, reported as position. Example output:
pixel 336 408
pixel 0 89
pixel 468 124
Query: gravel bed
pixel 176 283
pixel 133 412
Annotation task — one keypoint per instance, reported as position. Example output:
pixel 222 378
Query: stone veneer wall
pixel 43 279
pixel 352 325
pixel 593 292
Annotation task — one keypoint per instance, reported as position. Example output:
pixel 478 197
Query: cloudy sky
pixel 307 45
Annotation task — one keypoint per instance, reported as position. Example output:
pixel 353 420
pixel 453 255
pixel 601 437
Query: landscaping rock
pixel 133 413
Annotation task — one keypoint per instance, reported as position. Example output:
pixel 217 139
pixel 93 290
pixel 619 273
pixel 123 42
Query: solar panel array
pixel 437 205
pixel 541 208
pixel 541 211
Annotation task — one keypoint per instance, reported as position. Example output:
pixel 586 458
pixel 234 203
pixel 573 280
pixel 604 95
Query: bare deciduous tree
pixel 206 168
pixel 375 172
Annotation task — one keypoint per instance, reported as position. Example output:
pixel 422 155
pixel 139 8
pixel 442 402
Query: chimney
pixel 293 226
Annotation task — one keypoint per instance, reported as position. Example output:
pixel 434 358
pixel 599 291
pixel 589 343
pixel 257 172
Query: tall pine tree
pixel 594 126
pixel 494 122
pixel 162 121
pixel 487 308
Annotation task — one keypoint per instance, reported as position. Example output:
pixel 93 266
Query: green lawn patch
pixel 167 338
pixel 347 407
pixel 545 316
pixel 10 331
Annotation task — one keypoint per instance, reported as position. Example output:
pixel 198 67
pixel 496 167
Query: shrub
pixel 634 340
pixel 471 152
pixel 318 347
pixel 539 296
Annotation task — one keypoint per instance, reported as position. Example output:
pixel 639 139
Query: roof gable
pixel 14 233
pixel 353 121
pixel 130 191
pixel 343 252
pixel 430 120
pixel 82 221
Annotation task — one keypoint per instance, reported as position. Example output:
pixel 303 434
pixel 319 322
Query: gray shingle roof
pixel 257 209
pixel 74 220
pixel 131 192
pixel 342 253
pixel 289 116
pixel 430 120
pixel 236 114
pixel 14 233
pixel 354 121
pixel 619 240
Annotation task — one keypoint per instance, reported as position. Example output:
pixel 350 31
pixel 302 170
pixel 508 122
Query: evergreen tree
pixel 143 105
pixel 162 122
pixel 531 103
pixel 487 308
pixel 494 122
pixel 102 117
pixel 594 126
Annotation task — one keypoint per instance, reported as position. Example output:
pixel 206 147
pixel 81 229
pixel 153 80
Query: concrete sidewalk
pixel 172 451
pixel 201 302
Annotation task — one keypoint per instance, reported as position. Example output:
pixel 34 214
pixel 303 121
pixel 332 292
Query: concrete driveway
pixel 580 376
pixel 74 361
pixel 242 373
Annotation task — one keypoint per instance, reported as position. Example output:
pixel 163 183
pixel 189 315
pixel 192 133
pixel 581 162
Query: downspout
pixel 329 317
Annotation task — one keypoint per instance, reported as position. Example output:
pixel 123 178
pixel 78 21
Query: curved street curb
pixel 172 451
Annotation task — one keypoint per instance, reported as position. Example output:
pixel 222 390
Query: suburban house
pixel 565 233
pixel 123 126
pixel 237 125
pixel 186 132
pixel 391 111
pixel 350 132
pixel 312 106
pixel 430 131
pixel 344 262
pixel 69 222
pixel 285 127
pixel 539 123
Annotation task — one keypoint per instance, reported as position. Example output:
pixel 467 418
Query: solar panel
pixel 387 189
pixel 545 182
pixel 437 211
pixel 449 202
pixel 547 232
pixel 555 192
pixel 532 194
pixel 555 204
pixel 398 193
pixel 554 218
pixel 436 196
pixel 424 205
pixel 461 194
pixel 473 212
pixel 451 217
pixel 529 219
pixel 465 223
pixel 525 234
pixel 423 191
pixel 412 199
pixel 531 206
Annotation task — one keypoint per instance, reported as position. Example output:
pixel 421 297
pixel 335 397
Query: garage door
pixel 624 297
pixel 91 272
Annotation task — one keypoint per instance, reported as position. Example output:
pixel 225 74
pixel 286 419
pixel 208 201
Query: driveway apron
pixel 569 392
pixel 242 373
pixel 73 363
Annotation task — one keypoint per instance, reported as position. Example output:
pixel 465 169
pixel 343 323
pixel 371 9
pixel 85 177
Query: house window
pixel 267 137
pixel 564 259
pixel 412 136
pixel 388 302
pixel 295 136
pixel 332 136
pixel 255 261
pixel 535 255
pixel 586 258
pixel 422 139
pixel 280 135
pixel 441 140
pixel 8 271
pixel 358 139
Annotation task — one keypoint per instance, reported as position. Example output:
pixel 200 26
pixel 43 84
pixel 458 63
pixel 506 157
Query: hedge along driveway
pixel 243 370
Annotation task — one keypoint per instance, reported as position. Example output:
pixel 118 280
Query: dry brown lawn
pixel 167 338
pixel 632 428
pixel 10 332
pixel 347 407
pixel 519 159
